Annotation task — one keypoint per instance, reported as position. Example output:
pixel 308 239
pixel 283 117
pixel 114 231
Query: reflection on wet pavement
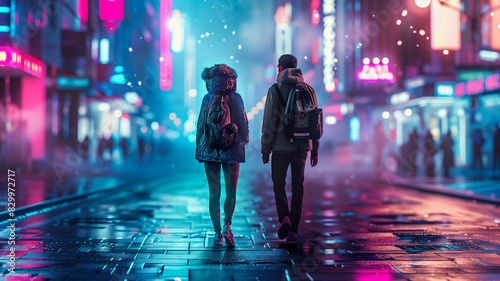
pixel 350 230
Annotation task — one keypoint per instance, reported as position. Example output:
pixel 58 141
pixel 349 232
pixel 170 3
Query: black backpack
pixel 302 117
pixel 220 132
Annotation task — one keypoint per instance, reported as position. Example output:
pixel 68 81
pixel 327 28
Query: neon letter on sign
pixel 166 66
pixel 329 45
pixel 376 72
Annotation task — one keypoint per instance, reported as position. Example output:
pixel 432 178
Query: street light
pixel 422 3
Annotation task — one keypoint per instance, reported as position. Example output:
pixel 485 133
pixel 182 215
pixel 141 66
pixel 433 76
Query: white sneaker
pixel 228 235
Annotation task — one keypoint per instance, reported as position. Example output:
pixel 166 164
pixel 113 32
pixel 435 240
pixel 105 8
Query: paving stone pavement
pixel 351 229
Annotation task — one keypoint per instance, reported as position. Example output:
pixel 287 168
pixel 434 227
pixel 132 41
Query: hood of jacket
pixel 290 76
pixel 220 78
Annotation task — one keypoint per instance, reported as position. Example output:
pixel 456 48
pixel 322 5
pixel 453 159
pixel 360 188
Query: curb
pixel 441 190
pixel 55 203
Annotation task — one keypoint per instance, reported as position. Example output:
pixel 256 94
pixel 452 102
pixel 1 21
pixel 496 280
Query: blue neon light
pixel 4 10
pixel 4 28
pixel 13 19
pixel 119 69
pixel 355 127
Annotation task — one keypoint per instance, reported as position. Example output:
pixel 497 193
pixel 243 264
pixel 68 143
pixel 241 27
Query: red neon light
pixel 166 65
pixel 111 10
pixel 14 58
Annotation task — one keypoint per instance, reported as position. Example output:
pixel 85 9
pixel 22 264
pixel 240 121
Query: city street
pixel 351 229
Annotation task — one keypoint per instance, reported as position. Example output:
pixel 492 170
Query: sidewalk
pixel 482 186
pixel 351 229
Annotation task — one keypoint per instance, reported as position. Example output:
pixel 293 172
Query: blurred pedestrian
pixel 429 149
pixel 477 146
pixel 221 137
pixel 140 147
pixel 286 151
pixel 448 157
pixel 124 146
pixel 496 148
pixel 85 147
pixel 413 143
pixel 110 145
pixel 101 145
pixel 380 143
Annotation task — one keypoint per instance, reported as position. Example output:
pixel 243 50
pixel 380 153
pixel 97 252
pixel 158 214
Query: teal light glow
pixel 4 10
pixel 4 28
pixel 104 51
pixel 119 69
pixel 355 127
pixel 118 79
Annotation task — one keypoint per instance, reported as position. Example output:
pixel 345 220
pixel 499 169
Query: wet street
pixel 352 229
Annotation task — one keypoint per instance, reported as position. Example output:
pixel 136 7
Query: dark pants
pixel 279 167
pixel 231 171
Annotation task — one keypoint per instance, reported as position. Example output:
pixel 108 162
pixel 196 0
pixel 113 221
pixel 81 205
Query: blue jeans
pixel 279 167
pixel 231 171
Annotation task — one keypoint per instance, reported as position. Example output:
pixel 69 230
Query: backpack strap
pixel 280 97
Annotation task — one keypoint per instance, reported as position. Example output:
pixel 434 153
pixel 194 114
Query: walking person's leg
pixel 298 167
pixel 212 169
pixel 279 167
pixel 231 173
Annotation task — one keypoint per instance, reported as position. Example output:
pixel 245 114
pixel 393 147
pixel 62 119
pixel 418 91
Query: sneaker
pixel 284 228
pixel 218 240
pixel 291 238
pixel 228 235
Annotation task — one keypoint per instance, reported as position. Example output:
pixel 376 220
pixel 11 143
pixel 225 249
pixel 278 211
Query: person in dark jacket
pixel 448 157
pixel 496 148
pixel 221 80
pixel 477 149
pixel 429 151
pixel 286 153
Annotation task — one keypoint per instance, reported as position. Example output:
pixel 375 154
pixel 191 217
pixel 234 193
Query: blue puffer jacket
pixel 236 153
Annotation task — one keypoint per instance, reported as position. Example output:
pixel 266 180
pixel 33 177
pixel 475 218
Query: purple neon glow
pixel 376 72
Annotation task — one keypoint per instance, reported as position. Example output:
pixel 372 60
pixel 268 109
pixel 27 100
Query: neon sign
pixel 283 30
pixel 329 35
pixel 14 58
pixel 376 71
pixel 315 4
pixel 477 86
pixel 166 60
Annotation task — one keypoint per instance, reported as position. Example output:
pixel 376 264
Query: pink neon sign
pixel 376 72
pixel 83 10
pixel 477 86
pixel 111 10
pixel 166 62
pixel 16 59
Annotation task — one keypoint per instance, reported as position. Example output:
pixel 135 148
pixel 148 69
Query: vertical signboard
pixel 329 35
pixel 445 25
pixel 495 25
pixel 283 30
pixel 166 60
